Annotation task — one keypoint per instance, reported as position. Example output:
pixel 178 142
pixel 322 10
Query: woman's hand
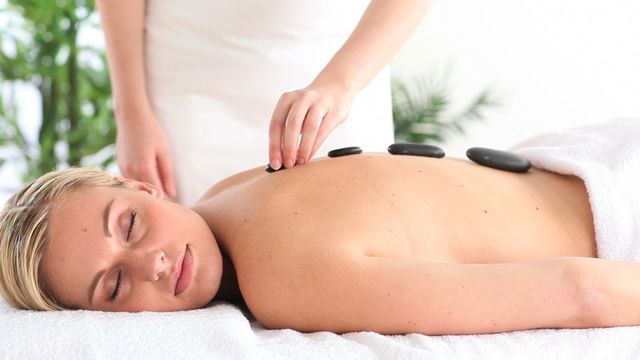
pixel 308 115
pixel 143 152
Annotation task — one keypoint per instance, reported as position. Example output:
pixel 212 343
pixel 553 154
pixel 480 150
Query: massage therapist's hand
pixel 142 150
pixel 301 122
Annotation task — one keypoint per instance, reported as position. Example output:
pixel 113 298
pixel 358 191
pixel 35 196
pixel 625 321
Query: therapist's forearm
pixel 381 32
pixel 123 26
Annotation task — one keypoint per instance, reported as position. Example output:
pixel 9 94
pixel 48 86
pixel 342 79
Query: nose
pixel 151 265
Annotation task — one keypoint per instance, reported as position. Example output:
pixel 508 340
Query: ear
pixel 150 189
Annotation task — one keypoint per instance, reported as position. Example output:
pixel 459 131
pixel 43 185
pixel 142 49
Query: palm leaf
pixel 419 111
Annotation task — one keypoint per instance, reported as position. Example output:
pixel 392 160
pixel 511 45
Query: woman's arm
pixel 141 145
pixel 395 296
pixel 313 112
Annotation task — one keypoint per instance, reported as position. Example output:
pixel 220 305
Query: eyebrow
pixel 105 222
pixel 105 216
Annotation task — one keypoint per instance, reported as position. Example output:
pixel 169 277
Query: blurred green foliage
pixel 39 46
pixel 422 111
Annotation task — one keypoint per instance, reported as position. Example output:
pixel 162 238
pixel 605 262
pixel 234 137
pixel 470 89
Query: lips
pixel 175 274
pixel 184 272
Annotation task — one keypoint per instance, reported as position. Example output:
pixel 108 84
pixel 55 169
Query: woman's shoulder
pixel 232 181
pixel 277 282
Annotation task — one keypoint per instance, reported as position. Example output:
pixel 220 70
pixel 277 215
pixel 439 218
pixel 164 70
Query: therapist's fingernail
pixel 276 164
pixel 288 163
pixel 300 161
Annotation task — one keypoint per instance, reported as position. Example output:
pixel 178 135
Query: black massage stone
pixel 497 159
pixel 416 150
pixel 351 150
pixel 269 169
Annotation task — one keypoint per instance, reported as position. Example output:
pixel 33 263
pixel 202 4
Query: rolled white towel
pixel 606 157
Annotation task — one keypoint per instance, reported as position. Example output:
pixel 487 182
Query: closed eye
pixel 132 222
pixel 117 289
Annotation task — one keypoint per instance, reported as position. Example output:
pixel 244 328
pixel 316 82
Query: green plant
pixel 420 111
pixel 39 46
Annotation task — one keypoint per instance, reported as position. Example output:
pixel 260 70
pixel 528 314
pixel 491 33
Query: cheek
pixel 65 268
pixel 147 298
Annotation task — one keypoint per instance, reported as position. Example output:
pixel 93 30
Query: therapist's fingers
pixel 276 131
pixel 165 171
pixel 146 170
pixel 150 174
pixel 327 126
pixel 293 125
pixel 309 133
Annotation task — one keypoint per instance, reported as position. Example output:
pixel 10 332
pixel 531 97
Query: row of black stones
pixel 497 159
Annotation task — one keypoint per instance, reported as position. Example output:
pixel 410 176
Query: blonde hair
pixel 24 234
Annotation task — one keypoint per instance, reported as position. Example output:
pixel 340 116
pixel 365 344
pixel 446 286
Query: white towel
pixel 223 332
pixel 606 157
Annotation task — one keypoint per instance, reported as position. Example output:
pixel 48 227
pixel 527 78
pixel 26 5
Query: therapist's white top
pixel 216 69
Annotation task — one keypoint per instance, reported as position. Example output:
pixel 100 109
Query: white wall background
pixel 554 63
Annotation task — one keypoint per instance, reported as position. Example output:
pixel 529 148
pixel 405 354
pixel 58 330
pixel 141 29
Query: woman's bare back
pixel 288 228
pixel 445 210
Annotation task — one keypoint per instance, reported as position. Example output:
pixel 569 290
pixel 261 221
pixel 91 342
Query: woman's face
pixel 115 249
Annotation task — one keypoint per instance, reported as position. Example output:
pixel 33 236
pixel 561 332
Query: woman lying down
pixel 370 242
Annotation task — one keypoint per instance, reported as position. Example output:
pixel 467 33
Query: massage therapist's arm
pixel 315 111
pixel 395 296
pixel 142 149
